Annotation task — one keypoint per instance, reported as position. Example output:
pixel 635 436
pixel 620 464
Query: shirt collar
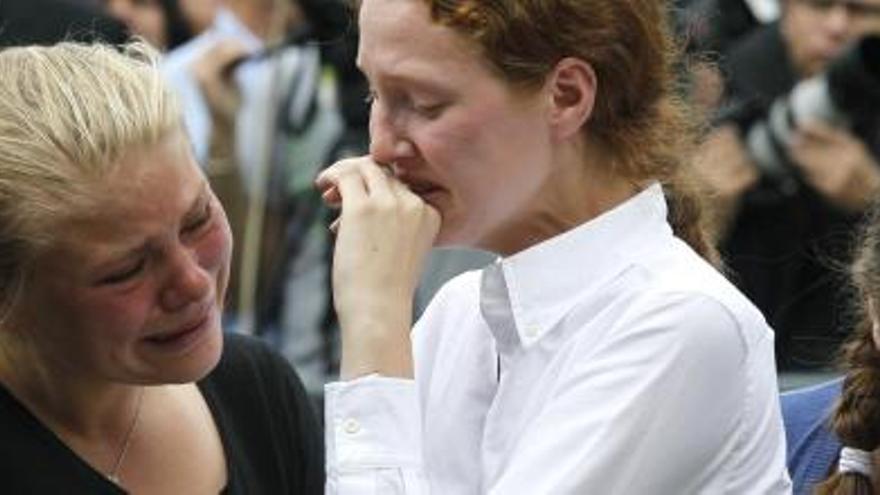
pixel 537 287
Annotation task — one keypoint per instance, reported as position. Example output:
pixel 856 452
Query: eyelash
pixel 426 111
pixel 201 221
pixel 118 278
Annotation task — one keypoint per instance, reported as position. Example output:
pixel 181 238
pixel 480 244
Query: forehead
pixel 148 192
pixel 398 38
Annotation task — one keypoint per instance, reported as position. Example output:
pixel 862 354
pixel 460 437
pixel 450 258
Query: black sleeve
pixel 273 438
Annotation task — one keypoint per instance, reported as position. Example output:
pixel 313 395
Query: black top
pixel 272 439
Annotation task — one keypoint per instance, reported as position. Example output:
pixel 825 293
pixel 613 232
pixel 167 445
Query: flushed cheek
pixel 119 318
pixel 215 249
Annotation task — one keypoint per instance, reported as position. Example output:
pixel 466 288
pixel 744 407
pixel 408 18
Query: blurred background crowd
pixel 786 93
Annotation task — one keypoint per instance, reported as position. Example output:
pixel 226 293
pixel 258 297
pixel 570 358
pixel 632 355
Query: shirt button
pixel 351 426
pixel 532 332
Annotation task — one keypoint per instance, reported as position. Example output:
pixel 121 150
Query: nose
pixel 388 142
pixel 187 281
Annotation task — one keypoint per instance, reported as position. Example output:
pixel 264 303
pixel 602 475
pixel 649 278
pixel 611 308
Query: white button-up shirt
pixel 610 359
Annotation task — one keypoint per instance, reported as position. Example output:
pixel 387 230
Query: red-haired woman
pixel 602 353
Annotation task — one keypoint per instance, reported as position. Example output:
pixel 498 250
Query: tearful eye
pixel 370 98
pixel 125 274
pixel 199 222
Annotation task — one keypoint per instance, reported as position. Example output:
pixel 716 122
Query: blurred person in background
pixel 115 375
pixel 262 113
pixel 165 24
pixel 785 222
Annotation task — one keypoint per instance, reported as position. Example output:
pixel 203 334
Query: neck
pixel 580 188
pixel 66 402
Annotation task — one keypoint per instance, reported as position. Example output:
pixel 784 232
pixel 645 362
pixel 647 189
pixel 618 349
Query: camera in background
pixel 846 92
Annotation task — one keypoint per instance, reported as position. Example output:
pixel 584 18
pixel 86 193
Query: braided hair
pixel 856 418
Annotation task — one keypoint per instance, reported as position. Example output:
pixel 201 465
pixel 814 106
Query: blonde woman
pixel 115 375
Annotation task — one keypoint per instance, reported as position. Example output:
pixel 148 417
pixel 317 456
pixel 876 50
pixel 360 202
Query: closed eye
pixel 200 221
pixel 429 111
pixel 125 274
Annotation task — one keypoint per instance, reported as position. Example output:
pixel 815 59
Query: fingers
pixel 327 179
pixel 375 179
pixel 814 131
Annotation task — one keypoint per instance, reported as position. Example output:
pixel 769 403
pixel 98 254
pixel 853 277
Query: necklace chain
pixel 113 475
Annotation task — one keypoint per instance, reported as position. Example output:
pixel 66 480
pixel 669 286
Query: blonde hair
pixel 68 113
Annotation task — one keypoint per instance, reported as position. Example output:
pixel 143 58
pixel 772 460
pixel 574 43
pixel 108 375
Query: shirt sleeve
pixel 373 437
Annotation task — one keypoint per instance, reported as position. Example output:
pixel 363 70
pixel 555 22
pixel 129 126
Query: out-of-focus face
pixel 816 31
pixel 142 17
pixel 454 132
pixel 199 13
pixel 131 292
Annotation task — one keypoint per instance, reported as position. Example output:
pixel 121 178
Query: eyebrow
pixel 112 257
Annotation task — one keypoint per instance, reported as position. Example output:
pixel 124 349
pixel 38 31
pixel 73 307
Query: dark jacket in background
pixel 787 248
pixel 45 22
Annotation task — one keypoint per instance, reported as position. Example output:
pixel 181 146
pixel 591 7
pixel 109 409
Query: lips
pixel 180 333
pixel 422 188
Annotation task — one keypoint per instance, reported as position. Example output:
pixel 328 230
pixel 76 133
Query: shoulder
pixel 806 409
pixel 251 378
pixel 269 428
pixel 812 446
pixel 696 298
pixel 460 292
pixel 245 358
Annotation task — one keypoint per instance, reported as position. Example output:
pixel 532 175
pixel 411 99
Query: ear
pixel 571 88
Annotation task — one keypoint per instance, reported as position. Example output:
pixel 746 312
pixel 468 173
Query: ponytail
pixel 687 218
pixel 856 419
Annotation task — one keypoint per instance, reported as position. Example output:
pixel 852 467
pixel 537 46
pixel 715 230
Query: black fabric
pixel 787 247
pixel 45 22
pixel 272 439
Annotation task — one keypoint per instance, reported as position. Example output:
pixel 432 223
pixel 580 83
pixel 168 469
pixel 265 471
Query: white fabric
pixel 853 460
pixel 177 66
pixel 627 365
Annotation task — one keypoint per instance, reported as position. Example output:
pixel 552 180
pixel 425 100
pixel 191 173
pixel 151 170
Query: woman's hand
pixel 384 234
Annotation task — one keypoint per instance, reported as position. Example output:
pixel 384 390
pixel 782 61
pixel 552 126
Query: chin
pixel 199 361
